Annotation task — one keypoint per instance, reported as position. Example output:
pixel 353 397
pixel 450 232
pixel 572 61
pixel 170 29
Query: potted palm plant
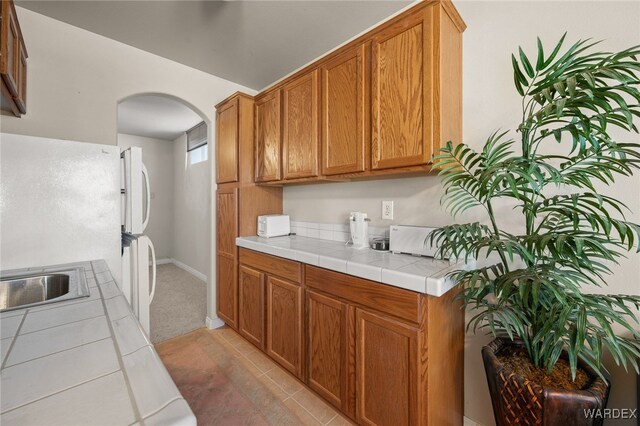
pixel 530 285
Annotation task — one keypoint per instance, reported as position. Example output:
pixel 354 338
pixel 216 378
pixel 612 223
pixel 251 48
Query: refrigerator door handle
pixel 153 263
pixel 145 174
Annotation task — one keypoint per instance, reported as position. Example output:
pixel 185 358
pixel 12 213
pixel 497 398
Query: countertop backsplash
pixel 332 231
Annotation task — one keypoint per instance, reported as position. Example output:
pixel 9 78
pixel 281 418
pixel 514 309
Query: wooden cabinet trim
pixel 273 265
pixel 361 138
pixel 394 301
pixel 291 138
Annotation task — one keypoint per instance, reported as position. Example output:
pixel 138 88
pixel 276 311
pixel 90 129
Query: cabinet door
pixel 301 129
pixel 227 142
pixel 251 305
pixel 284 324
pixel 268 137
pixel 345 112
pixel 21 99
pixel 10 40
pixel 386 371
pixel 227 275
pixel 401 113
pixel 327 347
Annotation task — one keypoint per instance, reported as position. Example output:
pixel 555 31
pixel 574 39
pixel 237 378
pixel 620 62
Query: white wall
pixel 494 31
pixel 157 155
pixel 59 202
pixel 76 79
pixel 191 203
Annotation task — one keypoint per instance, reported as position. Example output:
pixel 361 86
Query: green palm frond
pixel 571 100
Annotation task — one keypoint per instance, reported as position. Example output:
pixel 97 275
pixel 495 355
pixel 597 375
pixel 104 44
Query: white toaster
pixel 273 225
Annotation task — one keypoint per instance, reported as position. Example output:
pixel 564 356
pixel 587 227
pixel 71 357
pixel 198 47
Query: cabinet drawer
pixel 398 302
pixel 284 268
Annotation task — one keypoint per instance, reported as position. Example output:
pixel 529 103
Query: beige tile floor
pixel 227 381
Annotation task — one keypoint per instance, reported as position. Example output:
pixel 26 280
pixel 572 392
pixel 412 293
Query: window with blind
pixel 197 143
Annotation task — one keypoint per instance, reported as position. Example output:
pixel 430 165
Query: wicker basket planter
pixel 518 401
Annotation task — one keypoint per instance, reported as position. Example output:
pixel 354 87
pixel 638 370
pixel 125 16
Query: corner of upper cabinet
pixel 454 15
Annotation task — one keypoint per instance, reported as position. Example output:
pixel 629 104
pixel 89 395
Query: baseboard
pixel 469 422
pixel 214 323
pixel 190 270
pixel 184 267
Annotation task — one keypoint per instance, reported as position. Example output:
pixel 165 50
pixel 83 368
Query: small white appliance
pixel 411 240
pixel 359 227
pixel 137 248
pixel 273 225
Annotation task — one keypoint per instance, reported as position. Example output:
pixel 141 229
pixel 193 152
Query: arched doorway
pixel 173 136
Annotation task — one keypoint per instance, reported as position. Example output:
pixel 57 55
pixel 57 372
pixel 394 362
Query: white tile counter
pixel 84 361
pixel 420 274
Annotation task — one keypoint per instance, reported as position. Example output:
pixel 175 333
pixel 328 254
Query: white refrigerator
pixel 138 281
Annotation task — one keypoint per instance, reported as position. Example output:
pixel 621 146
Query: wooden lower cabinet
pixel 251 305
pixel 386 370
pixel 284 324
pixel 380 354
pixel 227 290
pixel 327 351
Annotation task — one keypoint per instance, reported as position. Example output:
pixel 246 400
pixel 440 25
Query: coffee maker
pixel 359 230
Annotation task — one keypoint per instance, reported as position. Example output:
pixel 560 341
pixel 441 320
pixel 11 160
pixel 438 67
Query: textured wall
pixel 191 211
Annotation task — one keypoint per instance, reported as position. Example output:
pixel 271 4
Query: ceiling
pixel 252 43
pixel 155 116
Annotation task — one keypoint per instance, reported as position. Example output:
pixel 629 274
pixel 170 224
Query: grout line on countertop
pixel 66 303
pixel 60 391
pixel 54 353
pixel 13 340
pixel 177 398
pixel 132 399
pixel 60 325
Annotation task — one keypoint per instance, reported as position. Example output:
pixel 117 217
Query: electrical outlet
pixel 387 210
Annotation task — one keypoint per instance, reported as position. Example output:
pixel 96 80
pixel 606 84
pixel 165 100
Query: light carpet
pixel 179 305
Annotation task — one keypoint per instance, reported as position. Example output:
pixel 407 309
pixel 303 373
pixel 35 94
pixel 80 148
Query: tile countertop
pixel 420 274
pixel 84 361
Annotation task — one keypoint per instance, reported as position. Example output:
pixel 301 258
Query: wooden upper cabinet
pixel 13 63
pixel 227 141
pixel 268 137
pixel 401 95
pixel 9 60
pixel 345 111
pixel 301 126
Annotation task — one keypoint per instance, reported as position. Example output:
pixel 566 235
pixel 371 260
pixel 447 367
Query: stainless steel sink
pixel 48 286
pixel 19 291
